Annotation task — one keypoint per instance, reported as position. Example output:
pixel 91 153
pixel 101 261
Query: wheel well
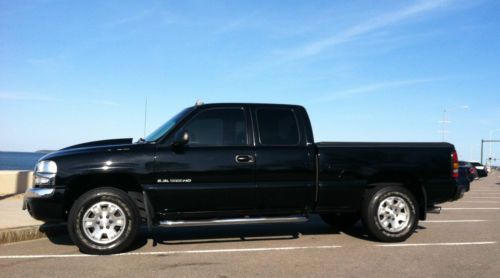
pixel 82 184
pixel 413 186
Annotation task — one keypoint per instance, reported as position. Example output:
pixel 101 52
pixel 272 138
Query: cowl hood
pixel 92 147
pixel 99 143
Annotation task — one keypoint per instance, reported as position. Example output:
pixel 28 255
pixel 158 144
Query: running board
pixel 233 221
pixel 434 209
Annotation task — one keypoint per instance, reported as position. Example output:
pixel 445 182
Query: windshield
pixel 164 128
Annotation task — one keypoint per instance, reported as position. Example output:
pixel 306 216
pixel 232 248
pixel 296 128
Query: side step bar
pixel 434 209
pixel 232 221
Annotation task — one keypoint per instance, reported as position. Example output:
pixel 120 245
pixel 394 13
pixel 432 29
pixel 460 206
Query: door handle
pixel 244 159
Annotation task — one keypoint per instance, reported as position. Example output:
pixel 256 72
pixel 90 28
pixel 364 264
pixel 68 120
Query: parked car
pixel 464 178
pixel 481 170
pixel 471 170
pixel 220 164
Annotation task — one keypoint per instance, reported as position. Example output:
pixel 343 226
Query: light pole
pixel 482 146
pixel 446 121
pixel 491 139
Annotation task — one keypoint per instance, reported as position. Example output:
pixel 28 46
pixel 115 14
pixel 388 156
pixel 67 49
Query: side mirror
pixel 181 138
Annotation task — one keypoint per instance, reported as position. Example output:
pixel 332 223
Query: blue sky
pixel 72 71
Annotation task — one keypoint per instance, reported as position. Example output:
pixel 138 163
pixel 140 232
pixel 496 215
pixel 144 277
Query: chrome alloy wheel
pixel 393 214
pixel 104 222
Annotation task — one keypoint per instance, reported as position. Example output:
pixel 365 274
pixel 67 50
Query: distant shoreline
pixel 19 160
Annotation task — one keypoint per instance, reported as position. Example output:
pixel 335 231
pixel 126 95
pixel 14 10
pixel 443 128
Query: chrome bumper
pixel 33 193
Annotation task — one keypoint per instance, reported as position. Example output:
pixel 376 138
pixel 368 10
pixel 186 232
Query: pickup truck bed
pixel 346 169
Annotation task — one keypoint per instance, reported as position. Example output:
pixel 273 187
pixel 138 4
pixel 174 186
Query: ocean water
pixel 19 160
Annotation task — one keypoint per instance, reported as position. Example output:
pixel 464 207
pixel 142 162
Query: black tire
pixel 373 222
pixel 138 199
pixel 340 221
pixel 104 195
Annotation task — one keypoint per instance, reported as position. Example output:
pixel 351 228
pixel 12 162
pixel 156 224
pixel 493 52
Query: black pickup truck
pixel 238 163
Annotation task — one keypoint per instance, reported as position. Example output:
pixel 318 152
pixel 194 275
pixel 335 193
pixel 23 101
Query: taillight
pixel 454 161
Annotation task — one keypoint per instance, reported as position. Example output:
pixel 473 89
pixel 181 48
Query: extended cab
pixel 238 164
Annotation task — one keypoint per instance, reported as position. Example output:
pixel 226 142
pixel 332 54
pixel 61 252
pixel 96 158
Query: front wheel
pixel 103 221
pixel 389 213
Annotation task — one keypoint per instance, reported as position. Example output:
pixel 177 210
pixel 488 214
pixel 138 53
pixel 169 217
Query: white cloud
pixel 24 96
pixel 374 24
pixel 235 25
pixel 374 87
pixel 131 18
pixel 43 97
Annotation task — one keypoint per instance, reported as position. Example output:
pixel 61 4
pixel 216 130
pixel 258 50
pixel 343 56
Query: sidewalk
pixel 17 225
pixel 12 215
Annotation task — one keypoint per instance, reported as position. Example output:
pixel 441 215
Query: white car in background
pixel 482 171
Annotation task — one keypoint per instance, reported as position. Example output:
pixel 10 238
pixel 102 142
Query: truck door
pixel 215 171
pixel 285 170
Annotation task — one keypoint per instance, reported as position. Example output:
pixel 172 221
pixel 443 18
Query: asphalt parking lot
pixel 462 241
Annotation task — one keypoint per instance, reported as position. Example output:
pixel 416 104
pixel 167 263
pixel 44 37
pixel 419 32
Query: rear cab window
pixel 277 126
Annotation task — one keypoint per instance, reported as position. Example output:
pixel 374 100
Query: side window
pixel 218 127
pixel 277 126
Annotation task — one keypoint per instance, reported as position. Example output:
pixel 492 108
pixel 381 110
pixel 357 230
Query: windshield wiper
pixel 141 140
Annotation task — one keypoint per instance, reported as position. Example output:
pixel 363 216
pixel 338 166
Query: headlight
pixel 45 173
pixel 46 167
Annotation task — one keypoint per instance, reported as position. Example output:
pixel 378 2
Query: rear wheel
pixel 340 221
pixel 103 221
pixel 390 213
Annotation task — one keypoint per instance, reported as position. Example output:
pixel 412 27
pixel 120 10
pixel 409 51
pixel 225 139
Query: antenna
pixel 444 122
pixel 145 115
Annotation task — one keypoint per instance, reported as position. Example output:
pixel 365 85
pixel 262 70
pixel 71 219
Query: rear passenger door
pixel 285 170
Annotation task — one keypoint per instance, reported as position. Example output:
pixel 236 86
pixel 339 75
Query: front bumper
pixel 45 204
pixel 32 193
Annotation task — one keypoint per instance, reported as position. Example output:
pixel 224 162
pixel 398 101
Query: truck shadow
pixel 221 234
pixel 264 232
pixel 234 233
pixel 244 233
pixel 358 231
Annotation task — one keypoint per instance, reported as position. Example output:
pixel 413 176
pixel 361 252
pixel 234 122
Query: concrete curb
pixel 15 182
pixel 11 235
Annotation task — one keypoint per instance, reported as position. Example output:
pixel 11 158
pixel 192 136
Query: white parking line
pixel 436 244
pixel 454 221
pixel 496 202
pixel 470 208
pixel 174 252
pixel 485 197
